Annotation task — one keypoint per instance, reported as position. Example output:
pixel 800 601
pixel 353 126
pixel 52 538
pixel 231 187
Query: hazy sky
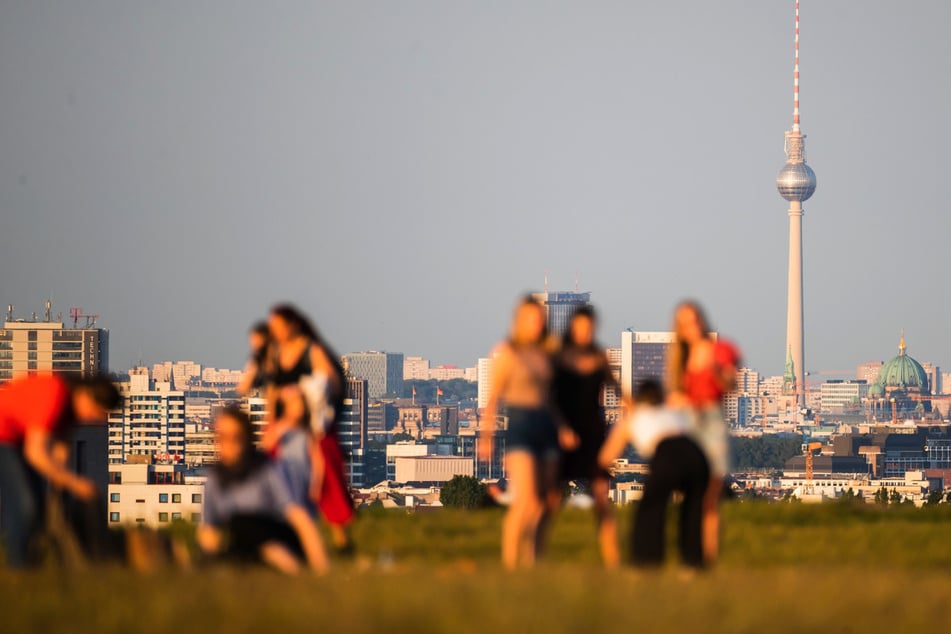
pixel 404 170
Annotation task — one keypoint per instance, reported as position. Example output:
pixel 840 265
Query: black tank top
pixel 292 376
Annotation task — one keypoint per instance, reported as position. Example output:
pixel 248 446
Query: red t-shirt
pixel 32 402
pixel 703 388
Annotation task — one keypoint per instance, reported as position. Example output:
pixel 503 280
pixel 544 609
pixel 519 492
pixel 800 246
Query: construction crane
pixel 809 449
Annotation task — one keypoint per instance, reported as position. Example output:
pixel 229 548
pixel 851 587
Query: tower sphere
pixel 796 181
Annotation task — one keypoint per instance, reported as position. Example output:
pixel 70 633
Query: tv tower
pixel 796 182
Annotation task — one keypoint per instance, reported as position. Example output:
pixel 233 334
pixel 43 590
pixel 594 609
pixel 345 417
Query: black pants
pixel 248 533
pixel 678 465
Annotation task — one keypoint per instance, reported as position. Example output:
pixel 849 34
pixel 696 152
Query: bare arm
pixel 38 452
pixel 309 537
pixel 322 364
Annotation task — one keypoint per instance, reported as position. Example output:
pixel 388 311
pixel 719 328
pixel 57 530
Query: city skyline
pixel 364 162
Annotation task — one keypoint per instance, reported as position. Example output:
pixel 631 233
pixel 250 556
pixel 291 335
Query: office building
pixel 352 431
pixel 383 372
pixel 28 347
pixel 643 356
pixel 560 306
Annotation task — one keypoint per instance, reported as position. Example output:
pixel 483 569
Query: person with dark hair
pixel 255 375
pixel 677 463
pixel 305 396
pixel 581 373
pixel 36 414
pixel 521 380
pixel 700 370
pixel 248 513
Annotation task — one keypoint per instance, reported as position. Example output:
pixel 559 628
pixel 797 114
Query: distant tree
pixel 881 496
pixel 464 492
pixel 400 437
pixel 765 452
pixel 895 497
pixel 850 497
pixel 947 498
pixel 934 498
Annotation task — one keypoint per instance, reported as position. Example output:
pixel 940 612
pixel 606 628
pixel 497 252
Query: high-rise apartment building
pixel 560 306
pixel 383 371
pixel 484 381
pixel 28 347
pixel 150 422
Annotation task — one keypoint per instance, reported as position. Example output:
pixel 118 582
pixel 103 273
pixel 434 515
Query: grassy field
pixel 785 568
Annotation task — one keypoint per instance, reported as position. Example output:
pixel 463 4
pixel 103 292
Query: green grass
pixel 793 568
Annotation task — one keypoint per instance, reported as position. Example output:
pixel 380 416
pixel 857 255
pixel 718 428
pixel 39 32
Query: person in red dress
pixel 36 413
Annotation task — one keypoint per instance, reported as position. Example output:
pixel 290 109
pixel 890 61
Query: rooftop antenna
pixel 75 314
pixel 546 281
pixel 576 281
pixel 9 312
pixel 49 307
pixel 795 116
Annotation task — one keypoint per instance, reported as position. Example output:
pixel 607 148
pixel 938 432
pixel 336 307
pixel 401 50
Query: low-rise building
pixel 153 495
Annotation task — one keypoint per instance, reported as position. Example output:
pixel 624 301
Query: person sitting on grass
pixel 676 464
pixel 248 513
pixel 37 412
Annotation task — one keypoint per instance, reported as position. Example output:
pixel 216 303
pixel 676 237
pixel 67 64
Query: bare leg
pixel 607 523
pixel 549 495
pixel 521 520
pixel 711 520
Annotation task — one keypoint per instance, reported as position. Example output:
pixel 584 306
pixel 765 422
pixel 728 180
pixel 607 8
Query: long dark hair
pixel 567 337
pixel 679 350
pixel 251 459
pixel 297 320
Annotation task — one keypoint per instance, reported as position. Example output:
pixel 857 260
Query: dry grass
pixel 785 568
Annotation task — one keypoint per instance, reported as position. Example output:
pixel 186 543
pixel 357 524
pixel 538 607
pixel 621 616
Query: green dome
pixel 903 372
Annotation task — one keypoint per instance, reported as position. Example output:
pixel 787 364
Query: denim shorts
pixel 533 430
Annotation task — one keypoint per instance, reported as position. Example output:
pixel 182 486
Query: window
pixel 163 498
pixel 176 516
pixel 113 497
pixel 196 498
pixel 140 501
pixel 196 517
pixel 176 498
pixel 163 517
pixel 140 520
pixel 113 517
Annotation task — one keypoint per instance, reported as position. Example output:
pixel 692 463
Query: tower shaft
pixel 794 313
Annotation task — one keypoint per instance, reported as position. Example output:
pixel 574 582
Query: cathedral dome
pixel 903 372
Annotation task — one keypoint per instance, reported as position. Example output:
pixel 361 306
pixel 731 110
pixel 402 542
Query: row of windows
pixel 163 498
pixel 162 517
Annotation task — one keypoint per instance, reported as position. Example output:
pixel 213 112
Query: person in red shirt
pixel 36 413
pixel 700 371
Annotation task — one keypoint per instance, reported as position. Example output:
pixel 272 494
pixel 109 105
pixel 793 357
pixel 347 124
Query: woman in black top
pixel 581 371
pixel 306 392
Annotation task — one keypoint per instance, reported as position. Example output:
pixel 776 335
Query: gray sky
pixel 404 170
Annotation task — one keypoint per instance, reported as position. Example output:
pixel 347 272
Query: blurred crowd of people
pixel 263 498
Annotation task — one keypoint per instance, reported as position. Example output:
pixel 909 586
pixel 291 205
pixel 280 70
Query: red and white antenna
pixel 795 116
